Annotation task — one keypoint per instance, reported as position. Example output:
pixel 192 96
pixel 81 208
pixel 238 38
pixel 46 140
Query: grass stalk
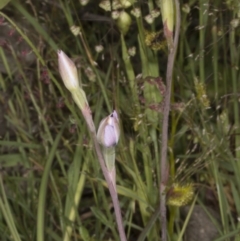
pixel 128 67
pixel 7 213
pixel 222 197
pixel 43 189
pixel 36 26
pixel 180 236
pixel 234 70
pixel 77 197
pixel 215 60
pixel 203 16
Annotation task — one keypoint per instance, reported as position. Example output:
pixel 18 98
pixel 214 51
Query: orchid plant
pixel 107 135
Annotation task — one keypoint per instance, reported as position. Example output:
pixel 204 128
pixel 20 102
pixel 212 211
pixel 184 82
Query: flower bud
pixel 167 9
pixel 123 22
pixel 68 71
pixel 109 131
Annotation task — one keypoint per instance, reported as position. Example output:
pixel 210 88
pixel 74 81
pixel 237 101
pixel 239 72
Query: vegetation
pixel 51 185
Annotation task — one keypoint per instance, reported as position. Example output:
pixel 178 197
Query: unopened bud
pixel 68 71
pixel 123 22
pixel 167 9
pixel 109 131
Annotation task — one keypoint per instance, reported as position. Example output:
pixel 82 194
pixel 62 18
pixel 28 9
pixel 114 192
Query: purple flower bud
pixel 109 131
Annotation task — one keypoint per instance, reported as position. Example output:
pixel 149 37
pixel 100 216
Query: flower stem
pixel 88 117
pixel 164 165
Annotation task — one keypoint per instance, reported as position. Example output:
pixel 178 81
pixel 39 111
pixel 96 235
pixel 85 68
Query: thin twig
pixel 88 117
pixel 164 166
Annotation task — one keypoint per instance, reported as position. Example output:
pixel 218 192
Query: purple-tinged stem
pixel 88 117
pixel 164 165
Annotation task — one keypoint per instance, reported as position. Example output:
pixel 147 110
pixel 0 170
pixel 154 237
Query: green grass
pixel 51 185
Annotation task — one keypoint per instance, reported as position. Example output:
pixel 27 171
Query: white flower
pixel 109 131
pixel 98 48
pixel 68 71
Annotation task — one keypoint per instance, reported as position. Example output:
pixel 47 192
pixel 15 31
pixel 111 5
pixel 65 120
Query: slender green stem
pixel 7 213
pixel 73 210
pixel 103 89
pixel 234 70
pixel 43 188
pixel 128 67
pixel 203 16
pixel 149 225
pixel 215 60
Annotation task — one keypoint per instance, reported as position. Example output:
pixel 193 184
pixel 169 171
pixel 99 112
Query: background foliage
pixel 44 139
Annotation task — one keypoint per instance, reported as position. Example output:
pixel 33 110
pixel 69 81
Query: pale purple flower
pixel 108 131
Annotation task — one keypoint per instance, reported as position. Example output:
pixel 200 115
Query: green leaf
pixel 3 3
pixel 84 233
pixel 101 216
